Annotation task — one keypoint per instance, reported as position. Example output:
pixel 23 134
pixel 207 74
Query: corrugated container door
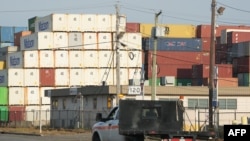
pixel 31 23
pixel 134 41
pixel 134 59
pixel 16 113
pixel 45 99
pixel 16 96
pixel 75 22
pixel 61 40
pixel 31 59
pixel 75 40
pixel 104 23
pixel 123 58
pixel 104 41
pixel 32 113
pixel 90 59
pixel 123 76
pixel 134 73
pixel 4 113
pixel 47 77
pixel 181 31
pixel 3 96
pixel 6 34
pixel 31 77
pixel 91 77
pixel 106 76
pixel 61 58
pixel 32 96
pixel 106 59
pixel 89 22
pixel 75 58
pixel 132 27
pixel 15 60
pixel 46 58
pixel 61 77
pixel 146 29
pixel 122 24
pixel 89 40
pixel 17 75
pixel 76 77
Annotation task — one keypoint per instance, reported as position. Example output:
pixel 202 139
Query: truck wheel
pixel 96 137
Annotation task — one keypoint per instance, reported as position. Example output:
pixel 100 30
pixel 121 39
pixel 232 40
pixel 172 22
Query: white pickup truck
pixel 133 120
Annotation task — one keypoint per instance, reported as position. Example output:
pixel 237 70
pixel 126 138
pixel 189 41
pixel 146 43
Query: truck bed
pixel 150 117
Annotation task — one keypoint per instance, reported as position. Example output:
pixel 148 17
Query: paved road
pixel 75 137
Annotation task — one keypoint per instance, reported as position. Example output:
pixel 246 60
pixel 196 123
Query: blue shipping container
pixel 173 44
pixel 2 45
pixel 6 34
pixel 19 29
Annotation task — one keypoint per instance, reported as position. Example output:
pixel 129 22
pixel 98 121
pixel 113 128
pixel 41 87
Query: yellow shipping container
pixel 173 30
pixel 2 65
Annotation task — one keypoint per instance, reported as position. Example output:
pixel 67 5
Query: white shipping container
pixel 90 59
pixel 51 23
pixel 105 41
pixel 134 73
pixel 32 114
pixel 122 25
pixel 61 58
pixel 89 41
pixel 123 58
pixel 75 58
pixel 134 58
pixel 106 76
pixel 46 58
pixel 123 76
pixel 61 77
pixel 45 99
pixel 32 96
pixel 23 59
pixel 123 40
pixel 76 77
pixel 74 22
pixel 11 77
pixel 31 77
pixel 61 40
pixel 37 40
pixel 104 23
pixel 134 41
pixel 75 40
pixel 106 58
pixel 16 96
pixel 91 76
pixel 89 22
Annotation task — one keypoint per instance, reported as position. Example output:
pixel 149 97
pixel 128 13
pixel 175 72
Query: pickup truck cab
pixel 107 129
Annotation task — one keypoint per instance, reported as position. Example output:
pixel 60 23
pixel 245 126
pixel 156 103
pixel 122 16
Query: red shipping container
pixel 237 37
pixel 133 27
pixel 178 57
pixel 205 30
pixel 16 113
pixel 18 35
pixel 47 77
pixel 222 82
pixel 179 71
pixel 202 71
pixel 243 64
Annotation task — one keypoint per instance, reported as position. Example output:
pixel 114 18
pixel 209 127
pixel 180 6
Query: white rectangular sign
pixel 134 90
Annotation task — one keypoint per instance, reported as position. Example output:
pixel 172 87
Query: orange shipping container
pixel 222 82
pixel 18 35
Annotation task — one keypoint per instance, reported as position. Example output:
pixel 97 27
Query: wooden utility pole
pixel 212 89
pixel 118 87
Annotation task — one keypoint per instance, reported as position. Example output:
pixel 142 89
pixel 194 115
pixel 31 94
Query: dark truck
pixel 133 120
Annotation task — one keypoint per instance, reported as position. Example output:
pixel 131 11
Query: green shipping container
pixel 158 82
pixel 4 113
pixel 31 23
pixel 3 96
pixel 183 82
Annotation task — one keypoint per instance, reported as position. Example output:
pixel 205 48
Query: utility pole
pixel 212 89
pixel 154 75
pixel 118 88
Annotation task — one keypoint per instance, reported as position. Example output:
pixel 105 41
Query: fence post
pixel 199 126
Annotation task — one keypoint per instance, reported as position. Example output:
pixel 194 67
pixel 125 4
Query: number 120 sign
pixel 134 90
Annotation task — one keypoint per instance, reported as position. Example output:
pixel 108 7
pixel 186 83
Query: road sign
pixel 134 90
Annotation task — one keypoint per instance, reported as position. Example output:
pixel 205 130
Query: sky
pixel 196 12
